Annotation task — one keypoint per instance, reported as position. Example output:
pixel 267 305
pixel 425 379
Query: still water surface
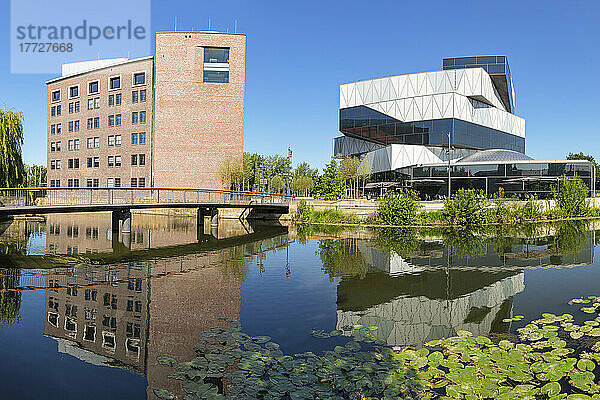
pixel 85 313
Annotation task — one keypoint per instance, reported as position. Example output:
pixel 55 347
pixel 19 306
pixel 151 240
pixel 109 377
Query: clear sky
pixel 299 52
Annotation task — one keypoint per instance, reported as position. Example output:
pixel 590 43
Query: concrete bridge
pixel 121 201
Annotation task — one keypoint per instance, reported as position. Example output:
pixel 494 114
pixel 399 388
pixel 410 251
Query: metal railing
pixel 30 197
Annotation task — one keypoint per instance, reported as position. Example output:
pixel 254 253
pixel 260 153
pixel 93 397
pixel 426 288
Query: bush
pixel 303 211
pixel 571 197
pixel 466 208
pixel 398 208
pixel 531 210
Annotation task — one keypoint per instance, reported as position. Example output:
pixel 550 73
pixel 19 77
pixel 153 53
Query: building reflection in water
pixel 434 291
pixel 126 314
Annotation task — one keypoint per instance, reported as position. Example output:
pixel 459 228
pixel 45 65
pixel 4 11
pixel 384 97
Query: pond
pixel 85 313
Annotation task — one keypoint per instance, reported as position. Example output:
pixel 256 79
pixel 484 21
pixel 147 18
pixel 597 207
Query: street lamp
pixel 449 134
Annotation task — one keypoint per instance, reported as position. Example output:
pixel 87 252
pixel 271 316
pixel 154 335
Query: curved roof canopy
pixel 495 155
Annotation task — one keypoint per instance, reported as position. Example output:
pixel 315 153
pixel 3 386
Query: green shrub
pixel 332 216
pixel 303 211
pixel 398 208
pixel 431 217
pixel 531 210
pixel 466 208
pixel 571 197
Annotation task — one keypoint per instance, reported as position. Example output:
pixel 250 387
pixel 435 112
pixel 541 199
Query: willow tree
pixel 12 170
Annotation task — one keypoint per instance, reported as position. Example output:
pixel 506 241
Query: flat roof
pixel 206 32
pixel 60 78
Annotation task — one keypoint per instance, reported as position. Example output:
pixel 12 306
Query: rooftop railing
pixel 50 196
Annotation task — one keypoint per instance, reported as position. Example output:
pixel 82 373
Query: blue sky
pixel 299 52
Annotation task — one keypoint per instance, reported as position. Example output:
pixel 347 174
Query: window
pixel 96 162
pixel 139 78
pixel 133 182
pixel 117 161
pixel 111 120
pixel 134 96
pixel 118 99
pixel 142 137
pixel 142 159
pixel 129 307
pixel 58 110
pixel 117 182
pixel 53 164
pixel 57 146
pixel 90 123
pixel 76 106
pixel 89 183
pixel 114 83
pixel 134 117
pixel 73 163
pixel 117 140
pixel 90 104
pixel 97 102
pixel 57 164
pixel 96 142
pixel 76 126
pixel 70 108
pixel 111 100
pixel 134 159
pixel 76 144
pixel 142 182
pixel 53 129
pixel 134 138
pixel 118 119
pixel 58 128
pixel 90 143
pixel 142 117
pixel 216 65
pixel 93 87
pixel 110 182
pixel 97 122
pixel 143 95
pixel 55 96
pixel 111 161
pixel 53 111
pixel 95 182
pixel 53 146
pixel 111 140
pixel 70 145
pixel 89 162
pixel 74 91
pixel 70 126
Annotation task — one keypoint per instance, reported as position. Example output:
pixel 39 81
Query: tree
pixel 277 184
pixel 581 156
pixel 231 172
pixel 303 179
pixel 36 175
pixel 349 171
pixel 12 170
pixel 331 185
pixel 364 173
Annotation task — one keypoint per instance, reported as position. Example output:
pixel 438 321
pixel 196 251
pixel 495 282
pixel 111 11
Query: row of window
pixel 95 182
pixel 94 123
pixel 94 162
pixel 94 142
pixel 114 83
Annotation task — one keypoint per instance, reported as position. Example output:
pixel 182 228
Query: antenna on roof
pixel 209 24
pixel 175 24
pixel 235 31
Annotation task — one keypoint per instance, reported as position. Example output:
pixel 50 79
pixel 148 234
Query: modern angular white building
pixel 465 110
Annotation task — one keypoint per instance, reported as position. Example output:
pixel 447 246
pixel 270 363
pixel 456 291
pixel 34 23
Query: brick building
pixel 165 121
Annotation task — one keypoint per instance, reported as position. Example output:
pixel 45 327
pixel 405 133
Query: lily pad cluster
pixel 233 365
pixel 553 358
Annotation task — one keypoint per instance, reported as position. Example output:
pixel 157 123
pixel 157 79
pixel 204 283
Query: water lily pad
pixel 586 365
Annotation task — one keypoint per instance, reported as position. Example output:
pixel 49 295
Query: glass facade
pixel 516 178
pixel 364 122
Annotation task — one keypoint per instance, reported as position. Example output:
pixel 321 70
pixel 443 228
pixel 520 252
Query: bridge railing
pixel 20 197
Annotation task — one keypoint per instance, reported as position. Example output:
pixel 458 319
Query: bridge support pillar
pixel 117 217
pixel 200 220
